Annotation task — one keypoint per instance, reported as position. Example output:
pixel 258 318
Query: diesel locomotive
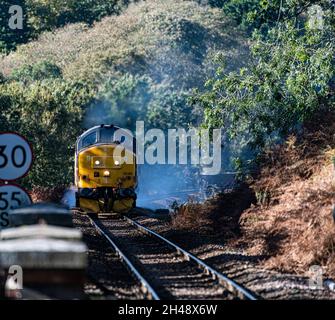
pixel 106 170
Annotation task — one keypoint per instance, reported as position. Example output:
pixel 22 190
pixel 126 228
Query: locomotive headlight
pixel 97 162
pixel 107 173
pixel 117 163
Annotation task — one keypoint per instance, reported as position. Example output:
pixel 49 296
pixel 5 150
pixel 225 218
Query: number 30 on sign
pixel 15 156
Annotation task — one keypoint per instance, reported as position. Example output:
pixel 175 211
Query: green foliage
pixel 49 115
pixel 44 15
pixel 138 61
pixel 51 14
pixel 245 12
pixel 128 99
pixel 37 72
pixel 265 14
pixel 2 78
pixel 288 80
pixel 121 101
pixel 142 67
pixel 171 109
pixel 171 45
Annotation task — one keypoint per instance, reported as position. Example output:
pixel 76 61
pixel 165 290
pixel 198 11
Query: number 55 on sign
pixel 15 161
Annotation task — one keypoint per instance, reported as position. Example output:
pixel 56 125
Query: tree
pixel 289 79
pixel 49 114
pixel 122 101
pixel 171 109
pixel 265 14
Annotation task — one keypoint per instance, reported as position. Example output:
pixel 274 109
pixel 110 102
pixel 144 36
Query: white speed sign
pixel 15 156
pixel 11 197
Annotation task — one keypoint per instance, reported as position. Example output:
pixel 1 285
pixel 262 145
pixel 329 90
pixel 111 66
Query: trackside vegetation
pixel 259 69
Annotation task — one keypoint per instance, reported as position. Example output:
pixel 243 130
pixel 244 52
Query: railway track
pixel 107 276
pixel 162 269
pixel 146 288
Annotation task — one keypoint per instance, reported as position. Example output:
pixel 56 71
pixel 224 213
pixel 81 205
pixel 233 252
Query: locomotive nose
pixel 106 163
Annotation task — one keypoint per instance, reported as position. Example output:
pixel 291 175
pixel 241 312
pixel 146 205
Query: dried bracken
pixel 40 194
pixel 286 215
pixel 218 216
pixel 293 223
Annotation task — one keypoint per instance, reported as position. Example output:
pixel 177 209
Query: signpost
pixel 16 158
pixel 11 197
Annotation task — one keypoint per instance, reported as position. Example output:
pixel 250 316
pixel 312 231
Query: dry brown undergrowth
pixel 47 194
pixel 292 223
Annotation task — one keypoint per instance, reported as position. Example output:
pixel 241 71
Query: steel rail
pixel 146 287
pixel 229 284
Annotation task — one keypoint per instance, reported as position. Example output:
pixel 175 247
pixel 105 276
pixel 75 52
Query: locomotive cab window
pixel 89 140
pixel 107 135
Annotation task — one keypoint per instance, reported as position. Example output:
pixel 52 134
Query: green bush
pixel 243 11
pixel 37 72
pixel 289 79
pixel 50 116
pixel 265 14
pixel 127 99
pixel 171 44
pixel 142 67
pixel 171 109
pixel 2 78
pixel 47 15
pixel 51 14
pixel 121 101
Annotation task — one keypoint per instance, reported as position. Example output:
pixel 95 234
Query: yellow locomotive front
pixel 106 170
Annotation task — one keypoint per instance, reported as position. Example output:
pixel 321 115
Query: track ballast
pixel 162 269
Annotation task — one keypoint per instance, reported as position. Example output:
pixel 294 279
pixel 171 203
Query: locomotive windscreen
pixel 107 135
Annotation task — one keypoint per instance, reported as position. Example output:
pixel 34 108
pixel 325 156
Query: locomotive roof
pixel 98 129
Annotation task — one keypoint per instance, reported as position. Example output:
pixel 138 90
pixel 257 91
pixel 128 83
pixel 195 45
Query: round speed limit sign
pixel 11 197
pixel 15 156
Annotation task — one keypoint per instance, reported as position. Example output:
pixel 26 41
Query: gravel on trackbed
pixel 245 269
pixel 108 278
pixel 103 266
